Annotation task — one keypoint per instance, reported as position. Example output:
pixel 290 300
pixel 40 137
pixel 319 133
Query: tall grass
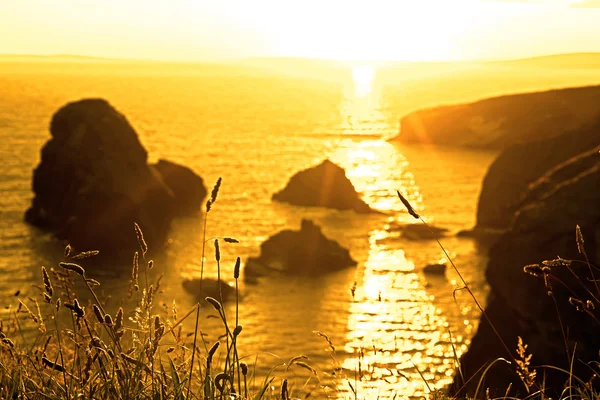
pixel 134 354
pixel 137 354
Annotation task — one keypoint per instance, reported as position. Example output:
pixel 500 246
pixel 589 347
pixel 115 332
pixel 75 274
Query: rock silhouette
pixel 418 231
pixel 519 304
pixel 303 252
pixel 499 122
pixel 93 182
pixel 208 288
pixel 324 185
pixel 187 187
pixel 510 175
pixel 435 269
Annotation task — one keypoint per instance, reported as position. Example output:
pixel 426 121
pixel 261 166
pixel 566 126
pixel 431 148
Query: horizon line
pixel 229 60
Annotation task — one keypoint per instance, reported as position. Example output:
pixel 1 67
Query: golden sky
pixel 332 29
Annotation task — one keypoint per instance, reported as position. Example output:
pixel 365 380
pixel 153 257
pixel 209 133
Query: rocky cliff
pixel 554 307
pixel 510 175
pixel 498 122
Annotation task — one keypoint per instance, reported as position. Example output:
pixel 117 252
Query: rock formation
pixel 523 305
pixel 208 288
pixel 187 187
pixel 93 182
pixel 435 269
pixel 303 252
pixel 509 176
pixel 324 185
pixel 499 122
pixel 418 231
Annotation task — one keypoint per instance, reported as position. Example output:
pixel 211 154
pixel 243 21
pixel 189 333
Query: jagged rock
pixel 93 182
pixel 303 252
pixel 435 269
pixel 187 187
pixel 499 122
pixel 324 185
pixel 208 287
pixel 519 304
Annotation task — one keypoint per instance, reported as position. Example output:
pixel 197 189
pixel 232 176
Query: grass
pixel 137 354
pixel 134 354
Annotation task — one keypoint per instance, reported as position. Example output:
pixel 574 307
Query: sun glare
pixel 363 75
pixel 363 79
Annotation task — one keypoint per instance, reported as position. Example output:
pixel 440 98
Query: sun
pixel 363 75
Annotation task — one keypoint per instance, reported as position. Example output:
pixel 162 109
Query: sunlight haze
pixel 200 30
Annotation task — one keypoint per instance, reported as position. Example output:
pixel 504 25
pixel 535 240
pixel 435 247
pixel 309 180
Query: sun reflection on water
pixel 394 328
pixel 361 110
pixel 399 327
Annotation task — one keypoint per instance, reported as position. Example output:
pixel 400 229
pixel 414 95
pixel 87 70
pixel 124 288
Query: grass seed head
pixel 236 268
pixel 533 269
pixel 213 349
pixel 217 251
pixel 67 250
pixel 136 267
pixel 237 331
pixel 579 238
pixel 409 208
pixel 85 254
pixel 92 282
pixel 52 365
pixel 78 269
pixel 76 308
pixel 214 302
pixel 47 283
pixel 98 313
pixel 215 191
pixel 140 237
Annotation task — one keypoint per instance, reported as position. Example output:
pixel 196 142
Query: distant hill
pixel 570 61
pixel 52 58
pixel 498 122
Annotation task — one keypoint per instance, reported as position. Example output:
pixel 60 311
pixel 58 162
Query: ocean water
pixel 255 128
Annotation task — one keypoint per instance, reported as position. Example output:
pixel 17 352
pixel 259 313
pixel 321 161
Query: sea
pixel 395 331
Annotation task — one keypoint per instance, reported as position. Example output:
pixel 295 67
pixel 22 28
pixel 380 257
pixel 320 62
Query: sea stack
pixel 324 185
pixel 93 182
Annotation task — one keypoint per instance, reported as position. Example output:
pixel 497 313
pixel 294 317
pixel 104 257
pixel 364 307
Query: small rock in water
pixel 324 185
pixel 418 231
pixel 208 287
pixel 435 269
pixel 303 252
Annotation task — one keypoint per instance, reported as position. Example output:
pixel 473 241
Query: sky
pixel 203 30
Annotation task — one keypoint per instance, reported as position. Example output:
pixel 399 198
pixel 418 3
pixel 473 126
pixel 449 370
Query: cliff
pixel 499 122
pixel 554 308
